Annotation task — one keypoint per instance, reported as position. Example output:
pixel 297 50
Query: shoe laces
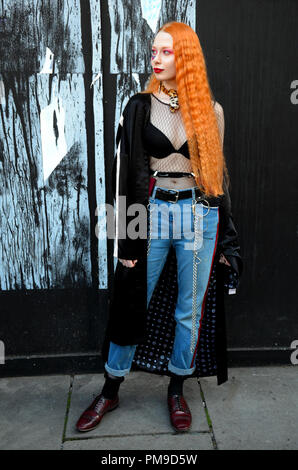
pixel 98 404
pixel 181 403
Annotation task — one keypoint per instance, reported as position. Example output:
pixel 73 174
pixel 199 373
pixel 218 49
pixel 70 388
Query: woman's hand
pixel 128 262
pixel 223 259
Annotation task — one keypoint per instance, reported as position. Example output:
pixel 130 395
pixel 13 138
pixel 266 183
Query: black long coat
pixel 129 321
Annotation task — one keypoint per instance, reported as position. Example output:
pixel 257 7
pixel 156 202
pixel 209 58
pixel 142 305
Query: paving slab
pixel 188 441
pixel 32 411
pixel 142 409
pixel 257 409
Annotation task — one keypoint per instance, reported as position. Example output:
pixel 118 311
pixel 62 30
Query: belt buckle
pixel 176 195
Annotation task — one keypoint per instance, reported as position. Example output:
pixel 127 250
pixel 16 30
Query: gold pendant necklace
pixel 174 104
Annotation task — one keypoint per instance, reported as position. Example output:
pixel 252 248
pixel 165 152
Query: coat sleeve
pixel 228 240
pixel 124 247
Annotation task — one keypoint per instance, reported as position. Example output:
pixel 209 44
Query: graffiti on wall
pixel 52 159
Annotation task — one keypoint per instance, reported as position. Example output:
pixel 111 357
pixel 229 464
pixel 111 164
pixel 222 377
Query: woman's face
pixel 162 57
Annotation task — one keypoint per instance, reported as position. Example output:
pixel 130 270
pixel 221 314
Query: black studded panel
pixel 154 353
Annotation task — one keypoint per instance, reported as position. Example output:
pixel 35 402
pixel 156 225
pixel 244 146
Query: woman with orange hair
pixel 167 313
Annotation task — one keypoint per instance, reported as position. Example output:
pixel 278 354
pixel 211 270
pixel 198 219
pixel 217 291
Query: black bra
pixel 159 145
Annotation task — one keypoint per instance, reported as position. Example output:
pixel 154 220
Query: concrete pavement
pixel 256 409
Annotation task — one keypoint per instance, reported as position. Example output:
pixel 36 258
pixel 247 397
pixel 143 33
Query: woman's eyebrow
pixel 162 47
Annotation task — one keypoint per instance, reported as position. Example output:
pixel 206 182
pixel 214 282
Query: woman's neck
pixel 170 84
pixel 162 96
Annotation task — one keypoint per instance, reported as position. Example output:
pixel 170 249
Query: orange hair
pixel 194 94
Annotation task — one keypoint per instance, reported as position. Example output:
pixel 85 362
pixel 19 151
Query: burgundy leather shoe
pixel 180 414
pixel 92 416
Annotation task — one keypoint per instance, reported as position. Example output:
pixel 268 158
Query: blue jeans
pixel 174 223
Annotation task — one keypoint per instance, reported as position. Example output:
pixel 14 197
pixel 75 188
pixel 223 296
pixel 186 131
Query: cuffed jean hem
pixel 117 373
pixel 178 371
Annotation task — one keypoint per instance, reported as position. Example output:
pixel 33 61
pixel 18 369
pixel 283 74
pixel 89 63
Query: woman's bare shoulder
pixel 218 107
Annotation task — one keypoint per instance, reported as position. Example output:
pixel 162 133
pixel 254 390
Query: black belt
pixel 171 195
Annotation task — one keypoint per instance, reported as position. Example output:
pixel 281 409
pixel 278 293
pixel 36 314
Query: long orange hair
pixel 195 100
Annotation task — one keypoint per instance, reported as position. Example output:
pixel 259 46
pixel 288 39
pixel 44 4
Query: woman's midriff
pixel 176 183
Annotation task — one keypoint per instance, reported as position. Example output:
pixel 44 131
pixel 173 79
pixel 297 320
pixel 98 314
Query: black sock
pixel 111 386
pixel 176 385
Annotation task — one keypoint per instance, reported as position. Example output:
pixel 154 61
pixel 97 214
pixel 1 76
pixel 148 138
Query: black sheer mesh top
pixel 165 139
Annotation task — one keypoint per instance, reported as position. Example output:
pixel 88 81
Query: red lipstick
pixel 156 70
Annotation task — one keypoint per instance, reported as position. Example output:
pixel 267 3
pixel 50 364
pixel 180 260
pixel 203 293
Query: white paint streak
pixel 151 12
pixel 136 77
pixel 96 78
pixel 2 93
pixel 52 150
pixel 117 195
pixel 48 62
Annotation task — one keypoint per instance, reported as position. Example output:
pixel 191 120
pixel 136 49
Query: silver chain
pixel 150 227
pixel 196 261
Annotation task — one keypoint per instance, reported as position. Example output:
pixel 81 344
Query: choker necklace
pixel 174 104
